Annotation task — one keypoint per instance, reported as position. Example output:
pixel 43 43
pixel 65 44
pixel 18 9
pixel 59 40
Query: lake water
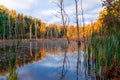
pixel 50 60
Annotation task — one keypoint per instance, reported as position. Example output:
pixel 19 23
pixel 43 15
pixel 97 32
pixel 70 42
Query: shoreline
pixel 38 40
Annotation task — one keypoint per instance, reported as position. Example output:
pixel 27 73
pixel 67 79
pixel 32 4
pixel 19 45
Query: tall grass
pixel 11 56
pixel 106 52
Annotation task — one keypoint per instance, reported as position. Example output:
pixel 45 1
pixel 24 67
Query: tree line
pixel 14 25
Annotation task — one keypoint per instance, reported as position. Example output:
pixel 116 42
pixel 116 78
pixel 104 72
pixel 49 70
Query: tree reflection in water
pixel 65 64
pixel 73 64
pixel 78 63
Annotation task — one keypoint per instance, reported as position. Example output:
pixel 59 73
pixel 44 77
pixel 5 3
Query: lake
pixel 48 60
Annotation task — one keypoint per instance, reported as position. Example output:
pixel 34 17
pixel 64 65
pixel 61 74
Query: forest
pixel 20 26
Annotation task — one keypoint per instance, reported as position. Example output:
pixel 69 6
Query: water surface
pixel 52 60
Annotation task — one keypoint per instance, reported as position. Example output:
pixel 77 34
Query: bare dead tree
pixel 35 28
pixel 9 23
pixel 64 17
pixel 65 21
pixel 30 29
pixel 77 20
pixel 77 23
pixel 82 13
pixel 83 22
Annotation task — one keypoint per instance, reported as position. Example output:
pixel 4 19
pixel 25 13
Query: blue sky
pixel 44 9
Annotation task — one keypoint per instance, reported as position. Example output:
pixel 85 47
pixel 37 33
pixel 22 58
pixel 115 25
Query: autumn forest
pixel 20 26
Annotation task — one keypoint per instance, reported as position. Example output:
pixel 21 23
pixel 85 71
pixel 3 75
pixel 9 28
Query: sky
pixel 47 9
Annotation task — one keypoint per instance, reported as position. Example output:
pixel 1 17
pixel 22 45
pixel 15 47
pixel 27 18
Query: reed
pixel 105 50
pixel 11 56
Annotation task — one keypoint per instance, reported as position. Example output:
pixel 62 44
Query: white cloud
pixel 17 4
pixel 46 10
pixel 91 10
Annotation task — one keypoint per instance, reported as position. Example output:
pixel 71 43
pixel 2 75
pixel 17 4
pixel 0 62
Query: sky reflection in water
pixel 50 67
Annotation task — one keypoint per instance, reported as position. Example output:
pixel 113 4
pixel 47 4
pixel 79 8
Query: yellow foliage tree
pixel 43 28
pixel 70 30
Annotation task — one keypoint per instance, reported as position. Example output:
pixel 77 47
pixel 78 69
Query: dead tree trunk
pixel 77 23
pixel 30 32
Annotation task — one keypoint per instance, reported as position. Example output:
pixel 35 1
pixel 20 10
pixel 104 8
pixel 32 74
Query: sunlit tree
pixel 43 29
